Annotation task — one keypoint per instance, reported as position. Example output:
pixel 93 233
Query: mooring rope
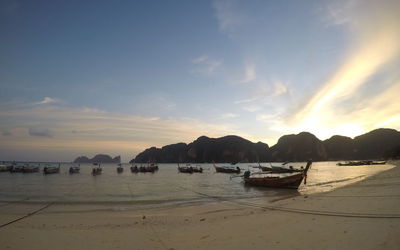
pixel 27 215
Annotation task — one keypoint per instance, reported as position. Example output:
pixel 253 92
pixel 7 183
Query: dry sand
pixel 364 215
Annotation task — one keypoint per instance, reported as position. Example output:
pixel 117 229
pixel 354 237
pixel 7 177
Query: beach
pixel 363 215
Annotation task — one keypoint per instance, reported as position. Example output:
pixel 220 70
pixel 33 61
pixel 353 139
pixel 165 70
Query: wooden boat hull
pixel 96 171
pixel 185 170
pixel 147 169
pixel 51 170
pixel 74 170
pixel 292 181
pixel 30 170
pixel 17 169
pixel 190 170
pixel 276 180
pixel 281 170
pixel 227 170
pixel 4 168
pixel 361 163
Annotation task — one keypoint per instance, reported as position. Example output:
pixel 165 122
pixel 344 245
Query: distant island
pixel 100 158
pixel 377 144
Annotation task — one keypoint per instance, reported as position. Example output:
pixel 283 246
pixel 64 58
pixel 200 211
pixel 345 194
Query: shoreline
pixel 362 215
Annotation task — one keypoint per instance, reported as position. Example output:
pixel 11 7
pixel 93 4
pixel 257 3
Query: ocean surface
pixel 166 186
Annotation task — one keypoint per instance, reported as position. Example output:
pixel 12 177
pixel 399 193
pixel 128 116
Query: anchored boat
pixel 276 180
pixel 190 169
pixel 227 169
pixel 360 163
pixel 280 169
pixel 120 169
pixel 5 168
pixel 134 169
pixel 75 169
pixel 51 169
pixel 96 170
pixel 30 169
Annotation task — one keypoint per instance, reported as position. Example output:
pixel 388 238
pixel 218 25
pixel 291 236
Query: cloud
pixel 280 89
pixel 339 12
pixel 206 65
pixel 227 16
pixel 83 130
pixel 375 45
pixel 48 100
pixel 264 94
pixel 41 132
pixel 247 100
pixel 229 116
pixel 200 59
pixel 249 73
pixel 251 108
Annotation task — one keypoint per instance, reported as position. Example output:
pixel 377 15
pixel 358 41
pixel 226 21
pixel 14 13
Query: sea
pixel 166 186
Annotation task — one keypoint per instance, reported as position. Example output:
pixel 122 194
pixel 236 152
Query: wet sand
pixel 364 215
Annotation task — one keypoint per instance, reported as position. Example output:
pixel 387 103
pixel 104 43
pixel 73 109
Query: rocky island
pixel 100 158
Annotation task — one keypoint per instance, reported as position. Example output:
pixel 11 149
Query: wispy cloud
pixel 100 130
pixel 249 74
pixel 247 100
pixel 339 12
pixel 47 100
pixel 41 132
pixel 280 89
pixel 227 15
pixel 206 65
pixel 251 108
pixel 229 116
pixel 263 93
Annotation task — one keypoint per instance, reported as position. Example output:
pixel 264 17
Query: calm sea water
pixel 166 186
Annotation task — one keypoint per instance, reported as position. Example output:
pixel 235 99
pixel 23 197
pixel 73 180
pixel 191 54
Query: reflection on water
pixel 166 185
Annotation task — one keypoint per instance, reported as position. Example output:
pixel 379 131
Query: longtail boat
pixel 5 168
pixel 226 169
pixel 51 169
pixel 96 170
pixel 189 169
pixel 360 163
pixel 75 169
pixel 134 169
pixel 120 169
pixel 17 169
pixel 280 169
pixel 276 180
pixel 30 169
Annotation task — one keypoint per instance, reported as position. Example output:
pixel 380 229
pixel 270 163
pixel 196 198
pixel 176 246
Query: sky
pixel 116 77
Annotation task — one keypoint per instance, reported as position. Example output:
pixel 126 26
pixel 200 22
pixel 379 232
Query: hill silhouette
pixel 376 144
pixel 100 158
pixel 225 149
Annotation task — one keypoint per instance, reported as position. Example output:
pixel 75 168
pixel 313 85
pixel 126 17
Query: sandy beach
pixel 364 215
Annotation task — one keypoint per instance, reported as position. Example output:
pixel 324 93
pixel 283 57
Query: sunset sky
pixel 116 77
